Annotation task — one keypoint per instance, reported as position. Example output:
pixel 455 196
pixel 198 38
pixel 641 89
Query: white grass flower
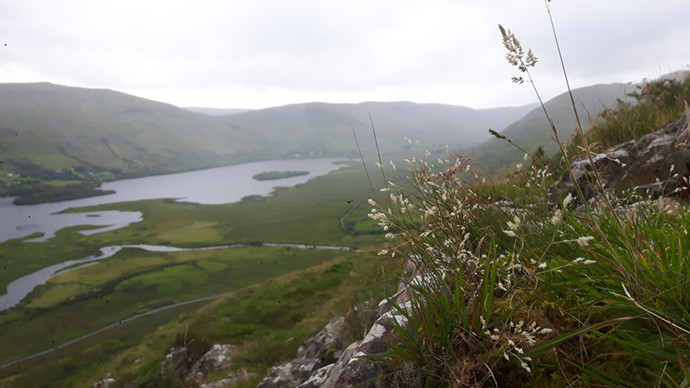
pixel 518 166
pixel 557 218
pixel 393 165
pixel 526 157
pixel 525 366
pixel 542 265
pixel 568 199
pixel 514 225
pixel 407 139
pixel 371 202
pixel 584 241
pixel 587 262
pixel 510 233
pixel 383 252
pixel 379 165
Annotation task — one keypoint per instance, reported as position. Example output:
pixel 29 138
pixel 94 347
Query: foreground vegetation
pixel 512 290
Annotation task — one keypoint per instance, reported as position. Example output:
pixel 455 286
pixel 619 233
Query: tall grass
pixel 512 291
pixel 656 104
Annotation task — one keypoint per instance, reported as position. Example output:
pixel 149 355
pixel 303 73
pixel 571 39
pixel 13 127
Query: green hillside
pixel 91 130
pixel 326 129
pixel 60 127
pixel 59 142
pixel 533 129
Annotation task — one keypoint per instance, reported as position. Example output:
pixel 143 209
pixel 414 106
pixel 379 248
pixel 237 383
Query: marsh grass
pixel 510 290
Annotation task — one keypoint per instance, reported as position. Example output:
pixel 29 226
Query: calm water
pixel 212 186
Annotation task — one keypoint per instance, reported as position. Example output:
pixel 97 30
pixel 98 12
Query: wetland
pixel 260 272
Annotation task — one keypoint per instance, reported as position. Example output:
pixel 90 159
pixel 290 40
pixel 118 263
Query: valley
pixel 132 281
pixel 263 273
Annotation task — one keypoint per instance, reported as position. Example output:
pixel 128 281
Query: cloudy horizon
pixel 234 54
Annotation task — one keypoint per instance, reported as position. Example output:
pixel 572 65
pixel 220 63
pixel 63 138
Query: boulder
pixel 219 357
pixel 291 374
pixel 105 383
pixel 325 342
pixel 640 162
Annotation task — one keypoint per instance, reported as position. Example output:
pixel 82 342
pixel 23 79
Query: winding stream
pixel 20 288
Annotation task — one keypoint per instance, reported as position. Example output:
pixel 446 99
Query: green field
pixel 324 211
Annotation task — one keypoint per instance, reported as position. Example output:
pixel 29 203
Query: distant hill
pixel 216 111
pixel 314 129
pixel 533 130
pixel 61 127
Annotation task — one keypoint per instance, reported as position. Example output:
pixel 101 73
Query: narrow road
pixel 132 318
pixel 149 247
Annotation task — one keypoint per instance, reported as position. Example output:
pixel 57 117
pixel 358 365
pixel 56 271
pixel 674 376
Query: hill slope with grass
pixel 61 127
pixel 319 128
pixel 533 130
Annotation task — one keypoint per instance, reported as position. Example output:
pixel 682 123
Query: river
pixel 20 288
pixel 218 185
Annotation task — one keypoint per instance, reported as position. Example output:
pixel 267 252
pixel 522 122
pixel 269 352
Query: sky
pixel 260 53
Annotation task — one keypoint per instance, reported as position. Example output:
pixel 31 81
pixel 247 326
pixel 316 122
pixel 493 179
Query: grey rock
pixel 291 374
pixel 326 341
pixel 105 383
pixel 219 357
pixel 317 379
pixel 638 161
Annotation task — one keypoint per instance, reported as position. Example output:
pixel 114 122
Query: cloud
pixel 268 52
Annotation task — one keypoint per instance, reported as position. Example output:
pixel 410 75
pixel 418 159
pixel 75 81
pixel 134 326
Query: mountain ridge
pixel 63 127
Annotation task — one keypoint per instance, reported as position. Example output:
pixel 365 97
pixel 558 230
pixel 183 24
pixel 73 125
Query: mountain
pixel 216 111
pixel 314 129
pixel 58 127
pixel 64 127
pixel 533 130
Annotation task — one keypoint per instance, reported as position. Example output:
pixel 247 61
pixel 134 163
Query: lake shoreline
pixel 214 186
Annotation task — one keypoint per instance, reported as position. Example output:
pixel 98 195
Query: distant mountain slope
pixel 216 111
pixel 319 128
pixel 58 127
pixel 533 129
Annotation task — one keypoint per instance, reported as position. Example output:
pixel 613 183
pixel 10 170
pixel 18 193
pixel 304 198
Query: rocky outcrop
pixel 324 362
pixel 639 161
pixel 105 383
pixel 194 371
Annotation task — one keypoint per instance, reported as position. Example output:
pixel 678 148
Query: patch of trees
pixel 33 192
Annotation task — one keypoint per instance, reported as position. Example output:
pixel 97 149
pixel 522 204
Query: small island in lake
pixel 271 175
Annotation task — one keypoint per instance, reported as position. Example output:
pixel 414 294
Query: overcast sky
pixel 262 53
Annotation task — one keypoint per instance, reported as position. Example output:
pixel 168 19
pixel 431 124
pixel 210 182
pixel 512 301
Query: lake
pixel 212 186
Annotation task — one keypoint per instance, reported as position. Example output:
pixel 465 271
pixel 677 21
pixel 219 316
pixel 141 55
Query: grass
pixel 267 320
pixel 513 291
pixel 657 103
pixel 135 281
